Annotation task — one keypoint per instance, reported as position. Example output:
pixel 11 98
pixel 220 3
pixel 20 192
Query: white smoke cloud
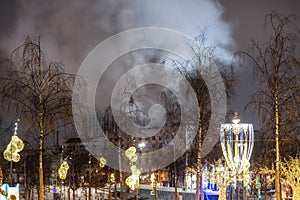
pixel 70 29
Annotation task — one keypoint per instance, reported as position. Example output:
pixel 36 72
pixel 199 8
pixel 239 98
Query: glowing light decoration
pixel 153 180
pixel 63 170
pixel 102 162
pixel 131 154
pixel 237 144
pixel 15 146
pixel 133 180
pixel 112 178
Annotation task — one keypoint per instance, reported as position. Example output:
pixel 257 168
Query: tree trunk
pixel 176 184
pixel 115 194
pixel 109 193
pixel 199 193
pixel 41 176
pixel 277 164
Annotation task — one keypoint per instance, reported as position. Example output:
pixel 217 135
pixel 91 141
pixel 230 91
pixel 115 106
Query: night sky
pixel 70 29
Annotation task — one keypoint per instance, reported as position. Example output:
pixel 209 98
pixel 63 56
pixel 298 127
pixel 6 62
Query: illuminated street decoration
pixel 237 144
pixel 131 154
pixel 153 180
pixel 15 146
pixel 112 178
pixel 102 162
pixel 63 170
pixel 133 180
pixel 222 176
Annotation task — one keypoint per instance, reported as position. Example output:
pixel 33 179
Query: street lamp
pixel 237 144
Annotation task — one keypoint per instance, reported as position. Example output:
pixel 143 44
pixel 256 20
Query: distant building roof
pixel 73 140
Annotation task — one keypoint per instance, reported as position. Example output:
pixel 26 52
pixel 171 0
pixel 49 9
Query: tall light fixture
pixel 237 144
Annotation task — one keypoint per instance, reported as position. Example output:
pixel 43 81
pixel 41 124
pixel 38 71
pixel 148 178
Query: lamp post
pixel 237 144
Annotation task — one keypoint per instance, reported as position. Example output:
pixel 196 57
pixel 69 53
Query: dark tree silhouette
pixel 39 93
pixel 277 99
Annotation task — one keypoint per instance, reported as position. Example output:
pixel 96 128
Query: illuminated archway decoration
pixel 15 146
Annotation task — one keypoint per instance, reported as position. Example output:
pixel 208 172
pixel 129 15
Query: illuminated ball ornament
pixel 131 154
pixel 135 171
pixel 132 181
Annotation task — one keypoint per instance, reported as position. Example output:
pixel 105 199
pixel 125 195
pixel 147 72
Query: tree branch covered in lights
pixel 290 171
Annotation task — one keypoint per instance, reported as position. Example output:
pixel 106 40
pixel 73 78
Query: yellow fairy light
pixel 18 143
pixel 132 182
pixel 133 157
pixel 135 171
pixel 133 168
pixel 65 165
pixel 16 157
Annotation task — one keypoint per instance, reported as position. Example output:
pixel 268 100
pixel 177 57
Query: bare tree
pixel 277 99
pixel 204 58
pixel 39 93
